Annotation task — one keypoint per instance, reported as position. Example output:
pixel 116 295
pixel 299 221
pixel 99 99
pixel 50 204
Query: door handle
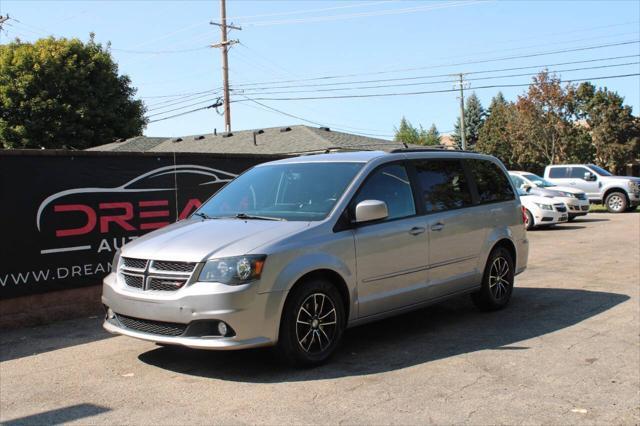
pixel 437 227
pixel 416 230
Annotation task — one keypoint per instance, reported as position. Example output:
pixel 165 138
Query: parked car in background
pixel 294 251
pixel 617 193
pixel 542 211
pixel 576 200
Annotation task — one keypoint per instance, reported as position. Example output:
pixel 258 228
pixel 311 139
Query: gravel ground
pixel 566 351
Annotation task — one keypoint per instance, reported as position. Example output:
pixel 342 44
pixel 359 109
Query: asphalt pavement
pixel 566 351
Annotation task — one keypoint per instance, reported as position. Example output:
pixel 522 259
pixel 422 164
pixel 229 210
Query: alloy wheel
pixel 316 323
pixel 615 202
pixel 498 278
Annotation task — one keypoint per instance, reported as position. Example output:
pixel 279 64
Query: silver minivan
pixel 294 251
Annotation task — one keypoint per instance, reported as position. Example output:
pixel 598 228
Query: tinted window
pixel 558 172
pixel 391 185
pixel 443 184
pixel 491 181
pixel 578 172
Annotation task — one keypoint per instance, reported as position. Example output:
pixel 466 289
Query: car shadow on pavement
pixel 587 220
pixel 59 415
pixel 559 227
pixel 23 342
pixel 440 331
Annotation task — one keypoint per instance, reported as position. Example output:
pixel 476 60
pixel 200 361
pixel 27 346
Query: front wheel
pixel 497 281
pixel 312 323
pixel 616 202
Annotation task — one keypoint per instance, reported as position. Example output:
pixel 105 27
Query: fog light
pixel 110 314
pixel 222 328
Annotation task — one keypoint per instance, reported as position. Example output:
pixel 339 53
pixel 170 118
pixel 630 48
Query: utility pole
pixel 462 130
pixel 224 46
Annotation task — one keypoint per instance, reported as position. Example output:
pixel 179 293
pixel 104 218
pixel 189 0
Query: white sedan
pixel 542 211
pixel 576 200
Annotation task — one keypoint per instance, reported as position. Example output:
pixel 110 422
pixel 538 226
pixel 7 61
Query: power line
pixel 300 12
pixel 167 105
pixel 531 55
pixel 365 14
pixel 216 105
pixel 433 82
pixel 373 95
pixel 421 77
pixel 160 52
pixel 183 107
pixel 310 121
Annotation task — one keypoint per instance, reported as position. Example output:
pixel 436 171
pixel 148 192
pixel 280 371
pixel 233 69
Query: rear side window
pixel 391 185
pixel 444 185
pixel 558 172
pixel 493 185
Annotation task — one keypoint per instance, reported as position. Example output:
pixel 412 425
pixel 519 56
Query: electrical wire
pixel 437 81
pixel 374 95
pixel 531 55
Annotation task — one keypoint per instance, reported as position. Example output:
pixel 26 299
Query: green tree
pixel 474 116
pixel 407 133
pixel 58 93
pixel 432 136
pixel 496 136
pixel 614 131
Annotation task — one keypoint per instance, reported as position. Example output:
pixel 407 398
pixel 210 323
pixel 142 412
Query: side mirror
pixel 369 210
pixel 526 187
pixel 590 177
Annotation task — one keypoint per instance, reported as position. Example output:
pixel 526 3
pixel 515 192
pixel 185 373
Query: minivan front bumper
pixel 189 316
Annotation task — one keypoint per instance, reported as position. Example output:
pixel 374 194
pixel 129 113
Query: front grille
pixel 152 327
pixel 173 266
pixel 165 284
pixel 156 275
pixel 134 281
pixel 560 207
pixel 129 262
pixel 581 196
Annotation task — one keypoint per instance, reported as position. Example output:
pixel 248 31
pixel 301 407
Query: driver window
pixel 391 185
pixel 578 172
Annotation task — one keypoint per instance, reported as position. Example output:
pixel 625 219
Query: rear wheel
pixel 616 202
pixel 528 223
pixel 497 281
pixel 312 323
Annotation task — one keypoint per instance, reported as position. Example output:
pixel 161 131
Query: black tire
pixel 631 208
pixel 529 224
pixel 495 294
pixel 322 340
pixel 572 218
pixel 616 202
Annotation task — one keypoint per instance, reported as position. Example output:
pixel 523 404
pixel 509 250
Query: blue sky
pixel 162 46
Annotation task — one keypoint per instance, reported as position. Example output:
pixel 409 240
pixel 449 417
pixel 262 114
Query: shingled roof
pixel 275 140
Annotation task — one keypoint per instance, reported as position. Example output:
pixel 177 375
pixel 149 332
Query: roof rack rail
pixel 439 149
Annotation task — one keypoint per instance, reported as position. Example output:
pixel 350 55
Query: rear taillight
pixel 524 214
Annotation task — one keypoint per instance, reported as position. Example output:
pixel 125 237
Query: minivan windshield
pixel 288 191
pixel 538 181
pixel 599 170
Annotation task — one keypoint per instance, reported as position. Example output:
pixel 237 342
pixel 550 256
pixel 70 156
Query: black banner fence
pixel 64 214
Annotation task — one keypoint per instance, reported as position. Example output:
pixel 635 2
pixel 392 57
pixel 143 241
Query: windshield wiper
pixel 249 217
pixel 203 215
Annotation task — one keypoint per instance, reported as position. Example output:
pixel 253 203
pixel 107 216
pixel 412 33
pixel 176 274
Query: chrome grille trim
pixel 134 264
pixel 184 267
pixel 164 284
pixel 156 275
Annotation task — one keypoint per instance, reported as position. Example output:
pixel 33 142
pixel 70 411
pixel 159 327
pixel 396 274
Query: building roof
pixel 275 140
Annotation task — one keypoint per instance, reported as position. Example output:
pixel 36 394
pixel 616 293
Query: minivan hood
pixel 631 178
pixel 195 240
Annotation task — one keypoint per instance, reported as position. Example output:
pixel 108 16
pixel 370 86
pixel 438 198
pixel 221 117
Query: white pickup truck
pixel 617 193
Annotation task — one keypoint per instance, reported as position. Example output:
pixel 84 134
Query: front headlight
pixel 233 270
pixel 632 185
pixel 545 206
pixel 116 261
